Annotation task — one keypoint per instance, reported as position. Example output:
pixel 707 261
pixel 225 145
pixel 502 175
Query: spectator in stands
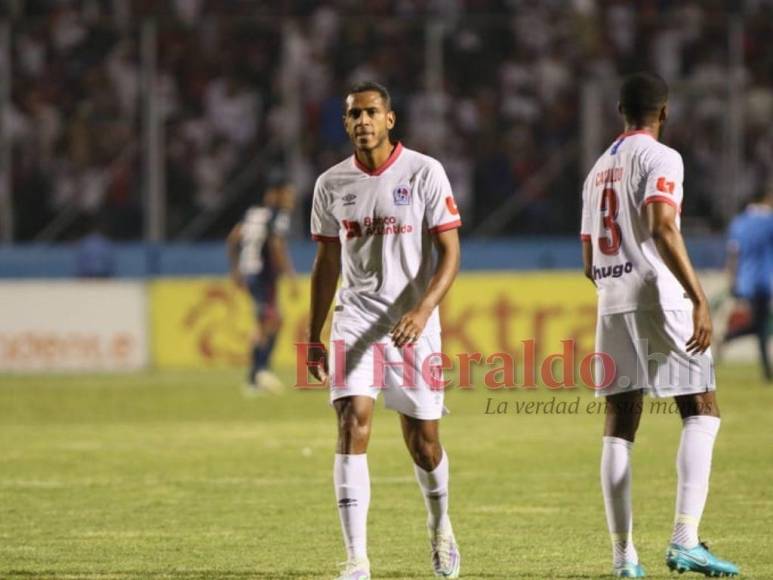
pixel 513 72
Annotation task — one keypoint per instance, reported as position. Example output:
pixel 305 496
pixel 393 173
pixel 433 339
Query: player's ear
pixel 391 119
pixel 619 107
pixel 663 114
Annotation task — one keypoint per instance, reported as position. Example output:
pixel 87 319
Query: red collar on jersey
pixel 386 165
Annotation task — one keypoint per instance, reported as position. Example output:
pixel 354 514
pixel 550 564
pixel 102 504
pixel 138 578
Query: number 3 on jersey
pixel 610 244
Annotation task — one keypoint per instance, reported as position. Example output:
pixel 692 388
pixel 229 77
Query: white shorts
pixel 648 349
pixel 361 375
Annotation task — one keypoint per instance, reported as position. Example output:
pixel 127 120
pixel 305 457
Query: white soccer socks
pixel 352 487
pixel 616 485
pixel 434 488
pixel 693 468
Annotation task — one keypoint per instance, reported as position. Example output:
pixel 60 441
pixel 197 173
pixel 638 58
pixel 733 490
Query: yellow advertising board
pixel 497 312
pixel 206 322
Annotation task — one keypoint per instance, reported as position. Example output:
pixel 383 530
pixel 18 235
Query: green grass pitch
pixel 177 475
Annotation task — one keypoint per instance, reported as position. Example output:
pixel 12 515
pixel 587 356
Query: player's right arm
pixel 324 279
pixel 324 275
pixel 587 259
pixel 585 235
pixel 234 239
pixel 661 220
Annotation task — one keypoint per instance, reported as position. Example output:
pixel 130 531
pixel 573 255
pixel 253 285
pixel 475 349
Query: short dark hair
pixel 642 95
pixel 365 86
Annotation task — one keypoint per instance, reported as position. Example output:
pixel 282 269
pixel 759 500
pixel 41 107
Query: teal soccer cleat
pixel 698 559
pixel 629 570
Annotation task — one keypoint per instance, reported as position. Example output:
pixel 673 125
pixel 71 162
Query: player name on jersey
pixel 610 175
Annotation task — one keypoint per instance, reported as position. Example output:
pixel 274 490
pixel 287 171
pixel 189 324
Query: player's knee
pixel 354 427
pixel 426 452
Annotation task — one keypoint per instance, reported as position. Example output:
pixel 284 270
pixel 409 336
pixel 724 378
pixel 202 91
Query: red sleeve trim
pixel 319 238
pixel 446 227
pixel 662 199
pixel 585 237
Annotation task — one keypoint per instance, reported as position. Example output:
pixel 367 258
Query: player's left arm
pixel 586 225
pixel 661 219
pixel 412 324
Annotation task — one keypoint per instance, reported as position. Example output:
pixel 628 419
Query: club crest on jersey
pixel 402 195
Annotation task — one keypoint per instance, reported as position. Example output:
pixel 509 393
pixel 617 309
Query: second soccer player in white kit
pixel 653 321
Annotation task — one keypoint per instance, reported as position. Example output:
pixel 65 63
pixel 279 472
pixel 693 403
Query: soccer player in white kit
pixel 376 217
pixel 653 320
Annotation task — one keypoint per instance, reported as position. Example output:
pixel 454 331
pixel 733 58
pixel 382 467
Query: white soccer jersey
pixel 384 220
pixel 629 272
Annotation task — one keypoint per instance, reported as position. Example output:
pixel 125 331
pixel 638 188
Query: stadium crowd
pixel 245 83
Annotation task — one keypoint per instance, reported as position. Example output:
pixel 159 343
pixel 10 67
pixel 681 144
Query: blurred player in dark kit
pixel 258 256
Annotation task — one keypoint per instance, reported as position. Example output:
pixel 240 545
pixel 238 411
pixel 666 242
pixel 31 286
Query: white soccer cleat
pixel 446 559
pixel 355 570
pixel 253 390
pixel 268 381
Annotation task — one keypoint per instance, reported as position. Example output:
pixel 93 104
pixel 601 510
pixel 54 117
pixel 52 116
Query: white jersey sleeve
pixel 440 211
pixel 664 181
pixel 324 225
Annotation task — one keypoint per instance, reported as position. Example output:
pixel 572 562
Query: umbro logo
pixel 347 502
pixel 349 199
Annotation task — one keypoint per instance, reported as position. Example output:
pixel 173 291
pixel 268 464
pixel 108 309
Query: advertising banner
pixel 207 322
pixel 73 326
